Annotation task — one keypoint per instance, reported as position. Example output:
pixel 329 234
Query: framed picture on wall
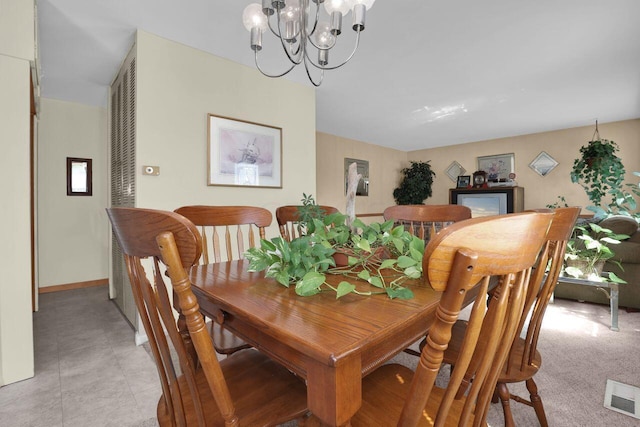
pixel 498 167
pixel 243 154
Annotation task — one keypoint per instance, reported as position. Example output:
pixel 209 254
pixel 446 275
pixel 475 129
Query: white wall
pixel 73 233
pixel 177 86
pixel 16 328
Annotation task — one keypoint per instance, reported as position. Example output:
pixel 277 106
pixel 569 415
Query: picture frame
pixel 498 167
pixel 463 181
pixel 243 153
pixel 454 170
pixel 79 177
pixel 543 164
pixel 363 169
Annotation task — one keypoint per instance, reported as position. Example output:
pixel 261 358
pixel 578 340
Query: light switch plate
pixel 151 170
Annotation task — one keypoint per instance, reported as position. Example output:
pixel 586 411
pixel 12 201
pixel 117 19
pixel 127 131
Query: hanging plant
pixel 416 184
pixel 598 170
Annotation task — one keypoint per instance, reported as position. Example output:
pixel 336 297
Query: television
pixel 489 201
pixel 484 204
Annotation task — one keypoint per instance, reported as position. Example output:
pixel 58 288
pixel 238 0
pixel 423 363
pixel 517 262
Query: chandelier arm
pixel 296 57
pixel 306 68
pixel 344 62
pixel 264 73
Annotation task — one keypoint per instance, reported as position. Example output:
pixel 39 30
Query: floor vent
pixel 622 398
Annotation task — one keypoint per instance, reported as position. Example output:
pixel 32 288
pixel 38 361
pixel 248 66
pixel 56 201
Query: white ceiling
pixel 427 74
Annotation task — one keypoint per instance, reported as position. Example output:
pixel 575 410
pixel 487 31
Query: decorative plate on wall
pixel 454 170
pixel 543 164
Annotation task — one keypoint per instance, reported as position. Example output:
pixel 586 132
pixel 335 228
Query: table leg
pixel 613 300
pixel 334 393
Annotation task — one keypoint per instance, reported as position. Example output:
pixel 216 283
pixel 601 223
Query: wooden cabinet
pixel 489 201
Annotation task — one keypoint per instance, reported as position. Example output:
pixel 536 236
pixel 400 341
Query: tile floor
pixel 88 369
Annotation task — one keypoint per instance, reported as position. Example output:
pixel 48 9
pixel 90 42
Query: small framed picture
pixel 463 181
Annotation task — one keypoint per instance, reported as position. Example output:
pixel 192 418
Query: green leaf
pixel 364 245
pixel 376 281
pixel 310 283
pixel 266 245
pixel 399 292
pixel 344 288
pixel 413 273
pixel 364 275
pixel 387 263
pixel 405 261
pixel 615 279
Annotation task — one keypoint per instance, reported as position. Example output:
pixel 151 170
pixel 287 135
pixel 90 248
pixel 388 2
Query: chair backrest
pixel 174 241
pixel 288 219
pixel 468 257
pixel 543 282
pixel 242 221
pixel 425 221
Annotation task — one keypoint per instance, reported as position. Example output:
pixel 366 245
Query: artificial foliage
pixel 416 184
pixel 380 256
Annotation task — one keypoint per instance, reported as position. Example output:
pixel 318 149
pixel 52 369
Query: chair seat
pixel 279 391
pixel 224 341
pixel 383 409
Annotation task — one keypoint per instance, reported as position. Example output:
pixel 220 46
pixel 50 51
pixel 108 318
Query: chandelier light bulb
pixel 324 38
pixel 253 17
pixel 342 6
pixel 291 11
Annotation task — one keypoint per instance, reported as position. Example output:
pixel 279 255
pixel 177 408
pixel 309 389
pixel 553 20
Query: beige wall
pixel 562 145
pixel 73 234
pixel 16 328
pixel 384 172
pixel 177 87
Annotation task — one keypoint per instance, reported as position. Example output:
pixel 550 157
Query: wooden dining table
pixel 331 343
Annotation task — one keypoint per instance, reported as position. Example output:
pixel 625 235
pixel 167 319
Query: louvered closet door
pixel 123 184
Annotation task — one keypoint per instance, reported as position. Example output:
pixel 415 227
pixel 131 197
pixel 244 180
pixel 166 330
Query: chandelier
pixel 300 36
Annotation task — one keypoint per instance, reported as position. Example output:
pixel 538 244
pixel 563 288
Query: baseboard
pixel 77 285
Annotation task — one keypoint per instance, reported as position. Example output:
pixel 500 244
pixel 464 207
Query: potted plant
pixel 587 252
pixel 416 184
pixel 306 260
pixel 598 170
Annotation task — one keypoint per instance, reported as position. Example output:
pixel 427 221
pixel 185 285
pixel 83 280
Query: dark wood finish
pixel 420 218
pixel 212 218
pixel 515 196
pixel 334 343
pixel 524 360
pixel 287 217
pixel 246 388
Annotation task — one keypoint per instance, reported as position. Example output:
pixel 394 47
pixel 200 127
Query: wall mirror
pixel 363 169
pixel 78 177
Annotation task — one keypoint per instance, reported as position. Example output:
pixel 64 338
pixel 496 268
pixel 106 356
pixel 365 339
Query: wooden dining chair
pixel 240 221
pixel 246 388
pixel 288 219
pixel 425 221
pixel 524 360
pixel 467 258
pixel 226 232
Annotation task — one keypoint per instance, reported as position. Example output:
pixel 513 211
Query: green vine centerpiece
pixel 384 256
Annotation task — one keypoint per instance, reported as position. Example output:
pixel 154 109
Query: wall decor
pixel 498 167
pixel 543 164
pixel 363 169
pixel 454 170
pixel 79 177
pixel 244 154
pixel 463 181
